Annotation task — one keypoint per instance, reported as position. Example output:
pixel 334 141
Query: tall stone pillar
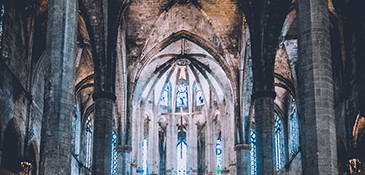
pixel 103 124
pixel 124 156
pixel 317 120
pixel 55 151
pixel 264 121
pixel 242 159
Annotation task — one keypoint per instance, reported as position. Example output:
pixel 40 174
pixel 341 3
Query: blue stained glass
pixel 164 101
pixel 113 164
pixel 181 158
pixel 218 152
pixel 144 156
pixel 88 142
pixel 294 131
pixel 253 152
pixel 182 95
pixel 199 96
pixel 1 22
pixel 279 144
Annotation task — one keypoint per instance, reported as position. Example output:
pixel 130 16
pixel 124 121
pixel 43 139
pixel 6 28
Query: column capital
pixel 123 148
pixel 103 94
pixel 232 165
pixel 242 147
pixel 259 94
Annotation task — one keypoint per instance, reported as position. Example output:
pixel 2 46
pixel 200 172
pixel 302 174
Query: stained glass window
pixel 253 152
pixel 75 127
pixel 199 96
pixel 89 142
pixel 165 96
pixel 1 23
pixel 279 144
pixel 144 156
pixel 181 158
pixel 218 152
pixel 113 164
pixel 294 131
pixel 182 95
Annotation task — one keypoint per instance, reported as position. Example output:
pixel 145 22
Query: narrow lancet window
pixel 88 142
pixel 144 156
pixel 199 96
pixel 279 144
pixel 182 95
pixel 253 152
pixel 294 131
pixel 1 23
pixel 113 164
pixel 181 158
pixel 165 96
pixel 218 152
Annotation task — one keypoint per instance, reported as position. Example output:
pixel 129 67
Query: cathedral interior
pixel 182 87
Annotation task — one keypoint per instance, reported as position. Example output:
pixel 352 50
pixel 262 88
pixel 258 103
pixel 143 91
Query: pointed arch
pixel 11 148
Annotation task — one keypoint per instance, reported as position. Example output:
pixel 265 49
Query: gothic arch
pixel 11 148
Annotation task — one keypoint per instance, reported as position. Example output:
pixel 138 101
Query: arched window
pixel 253 152
pixel 182 95
pixel 181 158
pixel 279 144
pixel 294 129
pixel 88 142
pixel 218 152
pixel 113 164
pixel 165 96
pixel 198 96
pixel 144 156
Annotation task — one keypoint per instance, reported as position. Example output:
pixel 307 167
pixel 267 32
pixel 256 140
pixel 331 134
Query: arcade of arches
pixel 182 87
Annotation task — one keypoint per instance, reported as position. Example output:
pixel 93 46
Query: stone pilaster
pixel 264 121
pixel 55 148
pixel 242 159
pixel 124 160
pixel 317 120
pixel 103 124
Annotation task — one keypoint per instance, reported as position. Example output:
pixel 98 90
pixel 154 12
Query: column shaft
pixel 55 151
pixel 317 120
pixel 243 158
pixel 124 168
pixel 264 121
pixel 103 124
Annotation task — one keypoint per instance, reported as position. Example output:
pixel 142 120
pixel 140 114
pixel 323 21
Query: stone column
pixel 264 121
pixel 134 168
pixel 103 124
pixel 317 120
pixel 124 155
pixel 55 148
pixel 243 156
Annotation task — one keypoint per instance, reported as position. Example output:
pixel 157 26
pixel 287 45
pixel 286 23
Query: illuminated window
pixel 218 152
pixel 279 144
pixel 199 96
pixel 88 142
pixel 181 158
pixel 75 127
pixel 165 96
pixel 144 156
pixel 113 164
pixel 182 95
pixel 294 131
pixel 1 23
pixel 253 152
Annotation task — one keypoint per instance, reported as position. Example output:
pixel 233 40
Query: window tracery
pixel 165 96
pixel 279 144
